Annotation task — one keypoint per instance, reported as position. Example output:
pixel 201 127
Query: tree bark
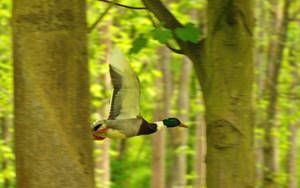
pixel 271 93
pixel 227 88
pixel 51 83
pixel 161 112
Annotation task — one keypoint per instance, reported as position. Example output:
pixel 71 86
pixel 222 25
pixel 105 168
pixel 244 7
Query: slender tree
pixel 292 154
pixel 102 161
pixel 271 94
pixel 52 134
pixel 179 135
pixel 259 66
pixel 161 112
pixel 103 164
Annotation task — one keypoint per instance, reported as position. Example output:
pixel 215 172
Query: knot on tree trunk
pixel 223 134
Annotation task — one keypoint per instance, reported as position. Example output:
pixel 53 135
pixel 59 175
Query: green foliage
pixel 6 92
pixel 138 44
pixel 189 33
pixel 6 88
pixel 162 35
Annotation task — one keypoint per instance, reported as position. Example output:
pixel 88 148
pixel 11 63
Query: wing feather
pixel 125 101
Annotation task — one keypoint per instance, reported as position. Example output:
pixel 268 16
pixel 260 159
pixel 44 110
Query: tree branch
pixel 162 13
pixel 125 6
pixel 178 51
pixel 100 18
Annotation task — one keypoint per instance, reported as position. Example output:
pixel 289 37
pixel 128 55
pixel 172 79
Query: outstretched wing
pixel 125 101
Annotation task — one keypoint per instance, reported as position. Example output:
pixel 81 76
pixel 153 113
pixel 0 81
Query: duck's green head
pixel 173 122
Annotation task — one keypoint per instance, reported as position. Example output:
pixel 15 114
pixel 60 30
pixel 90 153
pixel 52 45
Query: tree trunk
pixel 102 163
pixel 51 82
pixel 179 135
pixel 200 152
pixel 259 67
pixel 223 64
pixel 158 160
pixel 269 147
pixel 5 125
pixel 271 93
pixel 161 112
pixel 227 87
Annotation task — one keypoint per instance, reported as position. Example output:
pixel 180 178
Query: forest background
pixel 176 158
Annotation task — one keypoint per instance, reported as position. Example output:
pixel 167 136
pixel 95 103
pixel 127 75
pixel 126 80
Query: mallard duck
pixel 124 119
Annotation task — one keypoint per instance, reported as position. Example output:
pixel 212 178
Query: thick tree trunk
pixel 161 112
pixel 227 85
pixel 224 66
pixel 270 157
pixel 51 95
pixel 6 136
pixel 200 152
pixel 179 135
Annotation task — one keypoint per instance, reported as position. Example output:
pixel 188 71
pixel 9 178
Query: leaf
pixel 162 35
pixel 138 44
pixel 161 24
pixel 188 33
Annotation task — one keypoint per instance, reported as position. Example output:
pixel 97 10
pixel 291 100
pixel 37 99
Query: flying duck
pixel 124 119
